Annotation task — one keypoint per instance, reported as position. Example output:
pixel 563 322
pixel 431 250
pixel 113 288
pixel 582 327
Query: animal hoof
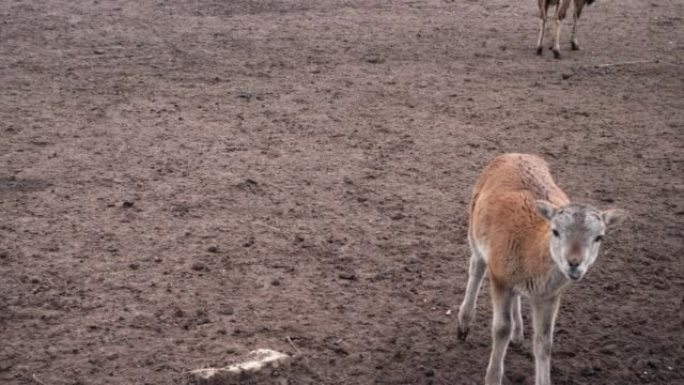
pixel 462 334
pixel 575 46
pixel 539 50
pixel 556 54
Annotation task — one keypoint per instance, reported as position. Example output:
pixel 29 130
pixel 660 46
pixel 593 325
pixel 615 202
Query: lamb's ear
pixel 545 208
pixel 614 217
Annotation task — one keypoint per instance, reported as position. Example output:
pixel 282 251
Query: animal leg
pixel 502 299
pixel 466 313
pixel 544 318
pixel 575 19
pixel 561 10
pixel 518 334
pixel 543 6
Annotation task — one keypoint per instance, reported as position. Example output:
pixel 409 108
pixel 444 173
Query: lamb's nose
pixel 573 264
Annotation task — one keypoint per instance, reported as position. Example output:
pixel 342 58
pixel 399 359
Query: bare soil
pixel 182 182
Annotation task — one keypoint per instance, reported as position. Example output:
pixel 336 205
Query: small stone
pixel 198 266
pixel 127 204
pixel 133 265
pixel 373 59
pixel 566 76
pixel 212 249
pixel 227 311
pixel 347 276
pixel 245 95
pixel 248 243
pixel 275 282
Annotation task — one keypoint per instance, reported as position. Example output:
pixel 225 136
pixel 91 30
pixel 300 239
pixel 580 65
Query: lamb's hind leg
pixel 518 334
pixel 466 312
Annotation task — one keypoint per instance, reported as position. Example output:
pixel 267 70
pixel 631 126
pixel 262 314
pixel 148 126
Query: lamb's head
pixel 576 234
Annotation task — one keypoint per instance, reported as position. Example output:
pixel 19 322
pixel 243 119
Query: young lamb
pixel 533 242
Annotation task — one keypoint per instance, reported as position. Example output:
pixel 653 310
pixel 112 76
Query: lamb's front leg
pixel 502 299
pixel 543 319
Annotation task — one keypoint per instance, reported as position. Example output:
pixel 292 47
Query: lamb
pixel 533 242
pixel 561 9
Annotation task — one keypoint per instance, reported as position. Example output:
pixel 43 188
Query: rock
pixel 212 249
pixel 228 310
pixel 134 265
pixel 374 59
pixel 248 243
pixel 127 204
pixel 347 276
pixel 245 95
pixel 428 372
pixel 254 362
pixel 198 266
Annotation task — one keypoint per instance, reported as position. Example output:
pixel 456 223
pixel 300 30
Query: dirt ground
pixel 182 182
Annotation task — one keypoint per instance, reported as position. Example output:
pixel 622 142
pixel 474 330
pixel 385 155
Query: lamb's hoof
pixel 539 50
pixel 556 54
pixel 575 46
pixel 462 333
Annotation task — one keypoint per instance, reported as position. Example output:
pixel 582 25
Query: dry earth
pixel 182 182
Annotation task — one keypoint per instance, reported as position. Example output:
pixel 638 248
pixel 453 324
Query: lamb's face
pixel 576 234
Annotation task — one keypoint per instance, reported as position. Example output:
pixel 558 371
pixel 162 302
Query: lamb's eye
pixel 555 233
pixel 598 239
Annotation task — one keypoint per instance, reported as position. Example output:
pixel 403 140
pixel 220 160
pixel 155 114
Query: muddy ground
pixel 183 182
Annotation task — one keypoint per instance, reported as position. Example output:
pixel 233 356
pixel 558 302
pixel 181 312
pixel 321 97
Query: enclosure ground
pixel 182 182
